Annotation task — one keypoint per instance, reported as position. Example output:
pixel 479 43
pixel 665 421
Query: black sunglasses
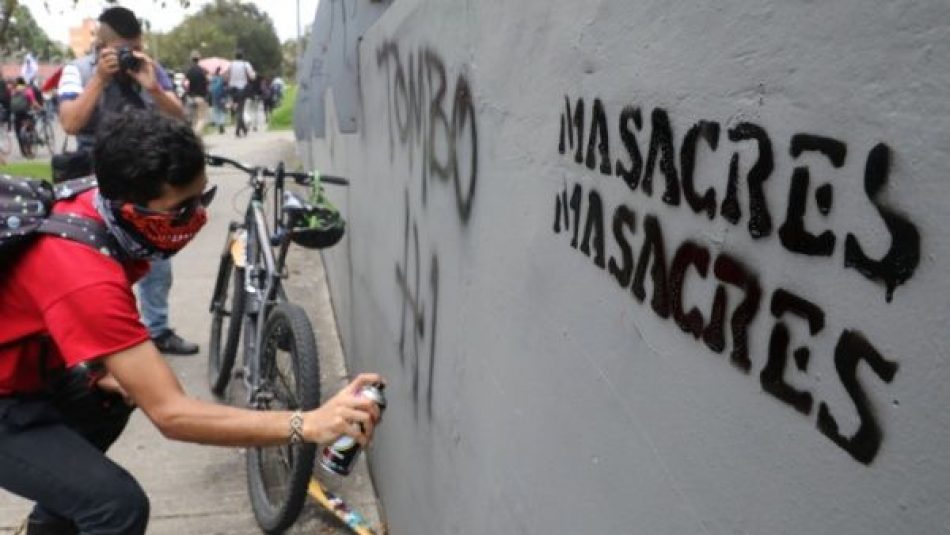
pixel 185 209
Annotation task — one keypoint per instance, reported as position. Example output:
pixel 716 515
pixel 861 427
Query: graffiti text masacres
pixel 582 213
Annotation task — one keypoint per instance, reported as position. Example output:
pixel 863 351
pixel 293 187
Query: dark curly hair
pixel 138 151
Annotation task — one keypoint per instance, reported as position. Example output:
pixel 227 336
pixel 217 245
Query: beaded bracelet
pixel 296 427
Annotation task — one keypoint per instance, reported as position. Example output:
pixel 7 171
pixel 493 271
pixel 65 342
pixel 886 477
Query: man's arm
pixel 168 102
pixel 148 380
pixel 153 78
pixel 77 103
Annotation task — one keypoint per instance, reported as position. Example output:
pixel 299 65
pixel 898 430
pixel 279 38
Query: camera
pixel 127 61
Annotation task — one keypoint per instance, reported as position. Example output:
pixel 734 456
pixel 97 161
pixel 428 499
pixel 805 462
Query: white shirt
pixel 240 73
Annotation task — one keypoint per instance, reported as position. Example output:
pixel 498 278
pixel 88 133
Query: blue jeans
pixel 218 115
pixel 153 297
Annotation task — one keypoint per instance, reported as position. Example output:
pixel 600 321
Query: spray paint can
pixel 340 457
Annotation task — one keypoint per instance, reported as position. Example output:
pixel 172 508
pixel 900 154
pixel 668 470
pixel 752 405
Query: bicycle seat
pixel 312 225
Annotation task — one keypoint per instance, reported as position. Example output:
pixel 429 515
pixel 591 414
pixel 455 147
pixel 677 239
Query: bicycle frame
pixel 263 289
pixel 259 251
pixel 280 367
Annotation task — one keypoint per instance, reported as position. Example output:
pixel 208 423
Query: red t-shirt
pixel 80 298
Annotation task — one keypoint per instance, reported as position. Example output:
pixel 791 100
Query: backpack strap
pixel 83 230
pixel 70 188
pixel 78 228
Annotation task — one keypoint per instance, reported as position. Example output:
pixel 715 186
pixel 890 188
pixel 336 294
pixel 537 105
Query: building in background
pixel 81 37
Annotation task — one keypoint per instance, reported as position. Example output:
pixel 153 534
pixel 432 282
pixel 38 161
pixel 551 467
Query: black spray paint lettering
pixel 772 377
pixel 414 329
pixel 424 115
pixel 708 131
pixel 894 268
pixel 663 152
pixel 760 222
pixel 431 118
pixel 631 175
pixel 851 349
pixel 653 253
pixel 667 301
pixel 901 259
pixel 733 272
pixel 594 228
pixel 793 234
pixel 697 256
pixel 598 140
pixel 625 221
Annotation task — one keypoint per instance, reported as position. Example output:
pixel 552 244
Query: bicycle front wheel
pixel 49 137
pixel 226 318
pixel 26 142
pixel 278 476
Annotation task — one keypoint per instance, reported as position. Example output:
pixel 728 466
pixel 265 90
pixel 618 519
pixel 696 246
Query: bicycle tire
pixel 277 498
pixel 26 143
pixel 221 358
pixel 49 137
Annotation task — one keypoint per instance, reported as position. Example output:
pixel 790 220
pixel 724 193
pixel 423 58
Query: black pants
pixel 19 121
pixel 241 127
pixel 52 451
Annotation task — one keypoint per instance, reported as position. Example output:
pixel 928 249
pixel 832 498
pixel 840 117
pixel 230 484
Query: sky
pixel 62 14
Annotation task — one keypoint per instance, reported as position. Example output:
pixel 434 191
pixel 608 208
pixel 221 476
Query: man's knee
pixel 123 508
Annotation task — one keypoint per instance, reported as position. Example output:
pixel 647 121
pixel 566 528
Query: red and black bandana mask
pixel 167 232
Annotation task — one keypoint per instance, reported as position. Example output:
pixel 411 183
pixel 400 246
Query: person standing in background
pixel 22 103
pixel 219 99
pixel 240 75
pixel 198 93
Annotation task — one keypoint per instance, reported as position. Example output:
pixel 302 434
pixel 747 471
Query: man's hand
pixel 346 413
pixel 107 64
pixel 145 76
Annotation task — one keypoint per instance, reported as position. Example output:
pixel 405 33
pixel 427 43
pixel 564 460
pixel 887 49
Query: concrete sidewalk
pixel 200 489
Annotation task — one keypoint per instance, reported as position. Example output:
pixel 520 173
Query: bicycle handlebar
pixel 300 178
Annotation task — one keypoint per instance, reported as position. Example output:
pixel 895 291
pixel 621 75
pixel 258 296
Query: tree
pixel 220 29
pixel 293 50
pixel 26 36
pixel 9 8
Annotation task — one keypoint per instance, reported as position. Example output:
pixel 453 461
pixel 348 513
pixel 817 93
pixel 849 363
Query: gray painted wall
pixel 782 369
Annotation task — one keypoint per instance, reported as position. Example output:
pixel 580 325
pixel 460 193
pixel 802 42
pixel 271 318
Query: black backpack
pixel 19 103
pixel 25 206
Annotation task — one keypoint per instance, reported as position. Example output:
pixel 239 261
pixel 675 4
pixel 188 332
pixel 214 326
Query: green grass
pixel 33 169
pixel 283 117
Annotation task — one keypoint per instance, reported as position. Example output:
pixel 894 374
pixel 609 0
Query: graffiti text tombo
pixel 425 114
pixel 606 234
pixel 431 122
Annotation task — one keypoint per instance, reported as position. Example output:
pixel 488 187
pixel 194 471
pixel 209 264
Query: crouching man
pixel 67 311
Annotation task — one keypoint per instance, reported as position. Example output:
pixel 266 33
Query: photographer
pixel 117 77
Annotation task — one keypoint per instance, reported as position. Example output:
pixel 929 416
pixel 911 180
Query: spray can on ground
pixel 340 457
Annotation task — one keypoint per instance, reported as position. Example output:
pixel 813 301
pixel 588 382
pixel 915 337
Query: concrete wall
pixel 645 267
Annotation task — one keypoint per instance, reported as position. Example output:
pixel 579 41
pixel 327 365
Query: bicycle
pixel 44 131
pixel 280 362
pixel 36 130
